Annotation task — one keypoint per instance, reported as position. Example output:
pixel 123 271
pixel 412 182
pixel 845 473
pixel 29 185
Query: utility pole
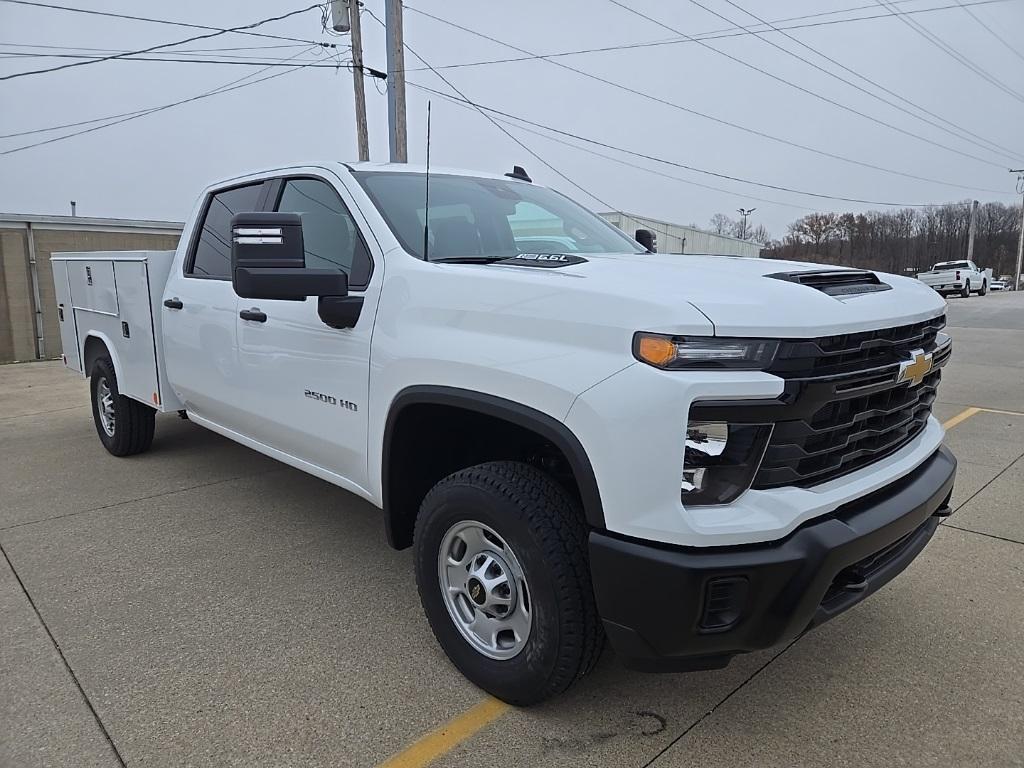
pixel 744 212
pixel 1020 240
pixel 971 230
pixel 345 18
pixel 396 81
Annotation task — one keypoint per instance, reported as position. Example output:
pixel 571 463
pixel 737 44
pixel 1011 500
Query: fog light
pixel 720 460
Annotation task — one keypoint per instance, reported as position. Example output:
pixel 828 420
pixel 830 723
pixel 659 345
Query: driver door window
pixel 330 236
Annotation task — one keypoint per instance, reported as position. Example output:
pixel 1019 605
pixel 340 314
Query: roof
pixel 417 168
pixel 19 220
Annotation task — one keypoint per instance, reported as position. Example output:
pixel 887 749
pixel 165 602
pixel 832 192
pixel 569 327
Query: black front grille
pixel 845 407
pixel 851 352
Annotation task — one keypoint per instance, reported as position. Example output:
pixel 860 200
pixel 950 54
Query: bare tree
pixel 759 234
pixel 906 240
pixel 722 224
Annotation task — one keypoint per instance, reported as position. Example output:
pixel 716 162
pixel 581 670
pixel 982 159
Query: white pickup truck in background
pixel 691 456
pixel 959 277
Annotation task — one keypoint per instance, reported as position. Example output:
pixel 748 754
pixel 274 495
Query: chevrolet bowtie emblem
pixel 915 369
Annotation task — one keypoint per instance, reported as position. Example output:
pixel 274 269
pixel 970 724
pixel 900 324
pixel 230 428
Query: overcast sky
pixel 154 167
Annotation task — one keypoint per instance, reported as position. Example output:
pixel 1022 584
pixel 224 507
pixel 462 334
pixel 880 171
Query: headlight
pixel 692 352
pixel 720 460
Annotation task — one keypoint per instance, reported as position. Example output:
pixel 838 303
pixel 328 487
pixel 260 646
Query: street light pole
pixel 744 212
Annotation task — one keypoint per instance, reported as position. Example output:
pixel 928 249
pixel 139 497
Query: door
pixel 309 388
pixel 199 312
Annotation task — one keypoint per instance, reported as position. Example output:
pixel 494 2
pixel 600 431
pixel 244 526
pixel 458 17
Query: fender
pixel 111 350
pixel 549 428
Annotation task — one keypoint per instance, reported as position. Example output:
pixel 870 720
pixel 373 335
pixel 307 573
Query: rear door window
pixel 212 257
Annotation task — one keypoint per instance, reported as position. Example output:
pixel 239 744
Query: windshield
pixel 473 218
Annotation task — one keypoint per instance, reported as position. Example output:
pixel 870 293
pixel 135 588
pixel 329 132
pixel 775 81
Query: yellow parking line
pixel 442 740
pixel 964 415
pixel 1005 413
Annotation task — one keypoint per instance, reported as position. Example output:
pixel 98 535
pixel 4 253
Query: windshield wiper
pixel 467 259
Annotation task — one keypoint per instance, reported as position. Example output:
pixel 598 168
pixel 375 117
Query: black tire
pixel 133 423
pixel 544 528
pixel 984 288
pixel 965 292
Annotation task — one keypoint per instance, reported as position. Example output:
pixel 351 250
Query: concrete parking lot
pixel 202 604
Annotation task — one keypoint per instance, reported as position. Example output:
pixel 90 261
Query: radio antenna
pixel 426 204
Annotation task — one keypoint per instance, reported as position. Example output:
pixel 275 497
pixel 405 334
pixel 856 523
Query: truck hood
pixel 744 296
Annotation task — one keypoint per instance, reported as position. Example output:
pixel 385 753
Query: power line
pixel 674 163
pixel 347 64
pixel 942 45
pixel 494 122
pixel 180 50
pixel 241 61
pixel 627 163
pixel 720 34
pixel 958 133
pixel 240 31
pixel 157 47
pixel 807 91
pixel 991 31
pixel 704 115
pixel 125 117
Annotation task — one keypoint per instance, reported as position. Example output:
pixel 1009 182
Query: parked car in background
pixel 997 285
pixel 961 277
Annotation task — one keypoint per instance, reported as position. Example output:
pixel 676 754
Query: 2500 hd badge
pixel 331 400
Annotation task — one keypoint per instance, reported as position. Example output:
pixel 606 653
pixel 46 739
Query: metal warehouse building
pixel 676 238
pixel 28 311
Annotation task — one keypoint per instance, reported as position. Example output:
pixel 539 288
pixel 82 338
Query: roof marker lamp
pixel 703 353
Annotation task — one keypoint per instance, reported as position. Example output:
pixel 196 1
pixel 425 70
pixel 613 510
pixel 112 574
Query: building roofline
pixel 88 222
pixel 681 226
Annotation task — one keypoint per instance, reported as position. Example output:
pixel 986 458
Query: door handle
pixel 174 303
pixel 253 314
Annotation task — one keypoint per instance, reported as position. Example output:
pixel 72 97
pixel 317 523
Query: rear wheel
pixel 125 426
pixel 503 575
pixel 966 290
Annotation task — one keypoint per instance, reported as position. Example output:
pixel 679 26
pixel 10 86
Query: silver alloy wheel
pixel 484 589
pixel 105 406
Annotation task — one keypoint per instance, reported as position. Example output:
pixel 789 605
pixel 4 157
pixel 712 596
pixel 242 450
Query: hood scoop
pixel 836 282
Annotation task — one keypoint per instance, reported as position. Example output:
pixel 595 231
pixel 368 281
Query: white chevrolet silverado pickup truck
pixel 959 277
pixel 689 456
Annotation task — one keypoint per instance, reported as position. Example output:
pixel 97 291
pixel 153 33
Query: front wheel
pixel 984 288
pixel 503 575
pixel 966 290
pixel 125 426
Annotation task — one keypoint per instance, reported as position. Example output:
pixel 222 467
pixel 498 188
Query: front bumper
pixel 676 608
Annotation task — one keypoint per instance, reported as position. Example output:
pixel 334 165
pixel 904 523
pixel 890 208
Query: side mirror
pixel 647 239
pixel 268 260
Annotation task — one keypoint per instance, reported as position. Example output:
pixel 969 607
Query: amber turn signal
pixel 656 350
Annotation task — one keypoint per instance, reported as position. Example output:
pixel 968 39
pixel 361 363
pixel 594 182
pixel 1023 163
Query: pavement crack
pixel 63 658
pixel 982 533
pixel 132 501
pixel 712 710
pixel 970 498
